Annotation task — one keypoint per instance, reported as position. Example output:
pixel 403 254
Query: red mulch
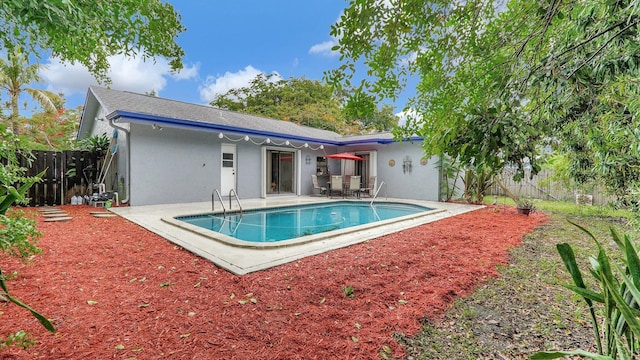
pixel 116 291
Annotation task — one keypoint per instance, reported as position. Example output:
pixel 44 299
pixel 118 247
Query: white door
pixel 228 169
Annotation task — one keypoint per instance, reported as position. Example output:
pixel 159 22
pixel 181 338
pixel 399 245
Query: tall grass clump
pixel 614 306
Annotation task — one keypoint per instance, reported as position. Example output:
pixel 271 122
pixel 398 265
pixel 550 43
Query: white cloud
pixel 221 84
pixel 410 114
pixel 325 48
pixel 187 73
pixel 132 74
pixel 66 78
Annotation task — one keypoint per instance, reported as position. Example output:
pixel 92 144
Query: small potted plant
pixel 524 205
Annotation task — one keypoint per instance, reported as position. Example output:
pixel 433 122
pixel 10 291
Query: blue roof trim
pixel 379 141
pixel 198 125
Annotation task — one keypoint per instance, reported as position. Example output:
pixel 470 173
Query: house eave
pixel 132 117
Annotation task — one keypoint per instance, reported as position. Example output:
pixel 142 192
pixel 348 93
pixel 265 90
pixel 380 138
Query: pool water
pixel 279 224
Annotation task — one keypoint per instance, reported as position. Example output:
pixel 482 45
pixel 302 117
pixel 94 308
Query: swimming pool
pixel 283 225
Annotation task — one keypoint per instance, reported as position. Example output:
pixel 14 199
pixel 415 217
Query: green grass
pixel 566 208
pixel 525 309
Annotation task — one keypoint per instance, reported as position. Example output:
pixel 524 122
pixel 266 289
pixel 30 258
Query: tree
pixel 498 81
pixel 81 31
pixel 303 101
pixel 15 74
pixel 458 55
pixel 52 131
pixel 90 31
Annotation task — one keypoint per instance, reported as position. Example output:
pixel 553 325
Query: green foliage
pixel 52 131
pixel 477 183
pixel 497 82
pixel 619 294
pixel 96 144
pixel 15 75
pixel 349 291
pixel 449 170
pixel 20 338
pixel 302 101
pixel 525 202
pixel 382 119
pixel 89 32
pixel 563 174
pixel 463 106
pixel 18 235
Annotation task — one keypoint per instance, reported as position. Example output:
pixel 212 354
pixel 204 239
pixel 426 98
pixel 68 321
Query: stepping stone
pixel 57 214
pixel 57 219
pixel 49 209
pixel 103 214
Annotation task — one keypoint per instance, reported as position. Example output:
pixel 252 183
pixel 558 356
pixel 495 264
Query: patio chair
pixel 322 190
pixel 371 186
pixel 354 186
pixel 336 184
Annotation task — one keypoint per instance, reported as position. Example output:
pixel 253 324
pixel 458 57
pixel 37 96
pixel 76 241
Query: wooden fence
pixel 542 187
pixel 67 173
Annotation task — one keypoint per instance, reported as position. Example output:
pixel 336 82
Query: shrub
pixel 18 234
pixel 617 333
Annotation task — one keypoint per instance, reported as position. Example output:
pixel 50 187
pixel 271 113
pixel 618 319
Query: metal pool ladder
pixel 377 191
pixel 213 201
pixel 224 210
pixel 232 191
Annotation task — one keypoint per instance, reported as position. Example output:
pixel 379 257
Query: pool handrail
pixel 377 191
pixel 213 201
pixel 232 191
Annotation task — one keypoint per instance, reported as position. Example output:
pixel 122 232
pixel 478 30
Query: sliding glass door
pixel 280 172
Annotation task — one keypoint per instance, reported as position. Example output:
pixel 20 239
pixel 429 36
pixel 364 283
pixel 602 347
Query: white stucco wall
pixel 175 166
pixel 248 171
pixel 421 183
pixel 172 165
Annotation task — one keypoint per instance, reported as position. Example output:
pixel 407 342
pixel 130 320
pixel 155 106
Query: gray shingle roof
pixel 177 113
pixel 116 100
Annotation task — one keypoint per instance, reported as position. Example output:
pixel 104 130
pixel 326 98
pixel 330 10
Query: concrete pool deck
pixel 243 260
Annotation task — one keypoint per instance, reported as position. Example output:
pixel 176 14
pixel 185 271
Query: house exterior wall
pixel 176 166
pixel 306 184
pixel 248 171
pixel 421 183
pixel 172 165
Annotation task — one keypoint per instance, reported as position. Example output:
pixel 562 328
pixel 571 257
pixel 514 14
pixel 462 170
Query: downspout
pixel 128 160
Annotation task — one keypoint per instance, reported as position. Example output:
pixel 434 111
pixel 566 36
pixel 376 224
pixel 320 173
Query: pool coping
pixel 243 260
pixel 290 242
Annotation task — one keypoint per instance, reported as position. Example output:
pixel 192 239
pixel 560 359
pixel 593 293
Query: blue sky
pixel 227 43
